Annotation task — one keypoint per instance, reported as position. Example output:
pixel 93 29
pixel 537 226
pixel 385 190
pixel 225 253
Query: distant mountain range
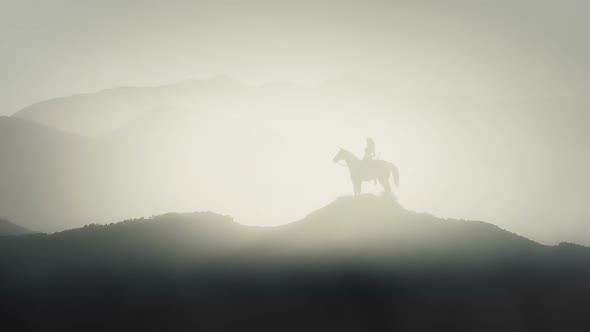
pixel 102 113
pixel 108 111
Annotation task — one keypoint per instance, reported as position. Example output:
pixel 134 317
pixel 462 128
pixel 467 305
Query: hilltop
pixel 363 228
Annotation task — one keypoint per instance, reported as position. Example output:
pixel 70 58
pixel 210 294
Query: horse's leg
pixel 385 183
pixel 357 187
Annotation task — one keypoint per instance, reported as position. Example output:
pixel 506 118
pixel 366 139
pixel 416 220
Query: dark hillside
pixel 358 264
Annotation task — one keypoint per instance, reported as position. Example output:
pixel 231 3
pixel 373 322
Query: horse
pixel 368 170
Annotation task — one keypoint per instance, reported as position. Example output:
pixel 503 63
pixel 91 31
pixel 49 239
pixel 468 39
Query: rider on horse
pixel 368 169
pixel 369 149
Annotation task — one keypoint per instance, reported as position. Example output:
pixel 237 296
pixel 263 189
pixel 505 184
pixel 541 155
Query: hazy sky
pixel 518 70
pixel 60 47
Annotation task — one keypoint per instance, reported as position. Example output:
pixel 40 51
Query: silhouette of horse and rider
pixel 368 169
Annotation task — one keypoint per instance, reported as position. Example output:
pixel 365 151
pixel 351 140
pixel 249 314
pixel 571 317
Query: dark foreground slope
pixel 359 264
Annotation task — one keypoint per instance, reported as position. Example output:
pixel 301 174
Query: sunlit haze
pixel 242 105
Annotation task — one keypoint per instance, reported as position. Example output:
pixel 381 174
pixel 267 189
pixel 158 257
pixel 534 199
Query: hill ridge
pixel 8 228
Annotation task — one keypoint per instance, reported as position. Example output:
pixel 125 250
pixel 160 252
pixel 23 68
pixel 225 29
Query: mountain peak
pixel 103 112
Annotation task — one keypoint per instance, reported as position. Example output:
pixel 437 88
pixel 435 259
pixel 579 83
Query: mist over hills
pixel 128 152
pixel 51 180
pixel 224 145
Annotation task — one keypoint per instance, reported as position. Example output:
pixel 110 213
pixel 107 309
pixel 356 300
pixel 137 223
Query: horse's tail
pixel 395 174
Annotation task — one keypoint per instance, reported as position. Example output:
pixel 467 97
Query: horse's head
pixel 344 155
pixel 339 156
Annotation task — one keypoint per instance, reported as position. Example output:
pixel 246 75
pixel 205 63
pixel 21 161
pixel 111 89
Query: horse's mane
pixel 350 154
